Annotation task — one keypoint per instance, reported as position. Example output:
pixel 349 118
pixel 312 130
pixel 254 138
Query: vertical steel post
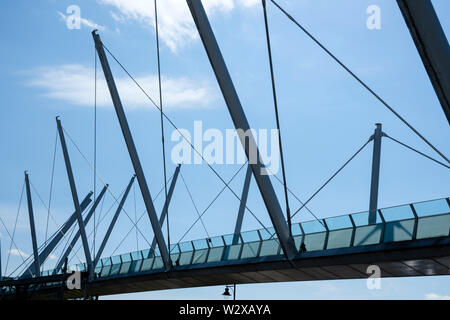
pixel 59 235
pixel 375 179
pixel 77 235
pixel 242 205
pixel 76 202
pixel 32 227
pixel 132 151
pixel 113 222
pixel 243 128
pixel 163 215
pixel 432 44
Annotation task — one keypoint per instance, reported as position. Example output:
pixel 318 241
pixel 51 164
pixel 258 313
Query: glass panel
pixel 174 256
pixel 200 256
pixel 339 238
pixel 174 248
pixel 106 261
pixel 313 227
pixel 397 213
pixel 125 267
pixel 185 258
pixel 342 222
pixel 216 242
pixel 137 255
pixel 430 227
pixel 298 242
pixel 269 248
pixel 158 264
pixel 399 230
pixel 147 264
pixel 296 231
pixel 315 241
pixel 115 268
pixel 250 236
pixel 250 250
pixel 186 246
pixel 126 257
pixel 157 252
pixel 362 218
pixel 115 259
pixel 368 235
pixel 146 254
pixel 135 266
pixel 430 208
pixel 200 244
pixel 229 239
pixel 268 234
pixel 215 254
pixel 232 252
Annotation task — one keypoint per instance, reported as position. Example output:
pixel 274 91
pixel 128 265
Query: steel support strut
pixel 59 235
pixel 72 244
pixel 113 222
pixel 242 126
pixel 163 215
pixel 132 151
pixel 76 203
pixel 375 180
pixel 32 227
pixel 432 44
pixel 242 205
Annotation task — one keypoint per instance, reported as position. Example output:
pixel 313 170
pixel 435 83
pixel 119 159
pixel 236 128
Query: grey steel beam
pixel 62 260
pixel 113 222
pixel 32 226
pixel 432 44
pixel 132 151
pixel 59 235
pixel 375 179
pixel 163 215
pixel 242 205
pixel 76 202
pixel 242 126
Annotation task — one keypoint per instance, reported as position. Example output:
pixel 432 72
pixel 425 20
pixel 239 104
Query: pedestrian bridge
pixel 406 240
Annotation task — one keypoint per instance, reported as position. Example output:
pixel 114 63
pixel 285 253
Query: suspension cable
pixel 50 194
pixel 176 128
pixel 139 219
pixel 95 142
pixel 334 175
pixel 358 79
pixel 417 151
pixel 195 206
pixel 15 227
pixel 98 176
pixel 162 124
pixel 275 102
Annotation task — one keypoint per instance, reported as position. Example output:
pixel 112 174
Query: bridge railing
pixel 428 219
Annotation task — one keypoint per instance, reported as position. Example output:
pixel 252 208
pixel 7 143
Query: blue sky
pixel 48 71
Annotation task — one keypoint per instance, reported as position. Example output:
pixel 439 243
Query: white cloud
pixel 434 296
pixel 85 22
pixel 175 21
pixel 16 252
pixel 75 84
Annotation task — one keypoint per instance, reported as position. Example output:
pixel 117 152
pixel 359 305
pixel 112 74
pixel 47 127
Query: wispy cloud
pixel 85 22
pixel 174 19
pixel 17 252
pixel 74 84
pixel 435 296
